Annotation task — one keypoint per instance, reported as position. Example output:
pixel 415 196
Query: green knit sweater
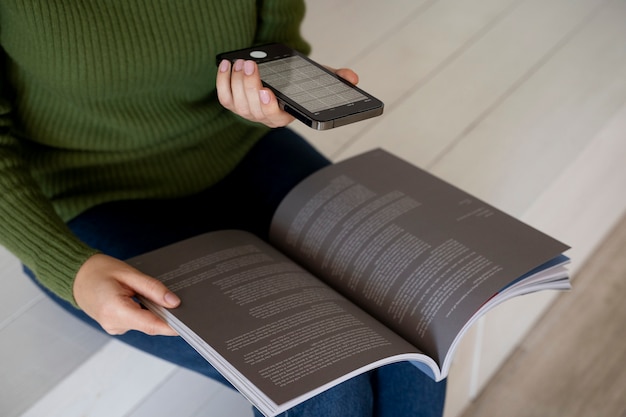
pixel 115 99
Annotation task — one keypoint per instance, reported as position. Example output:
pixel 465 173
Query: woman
pixel 118 135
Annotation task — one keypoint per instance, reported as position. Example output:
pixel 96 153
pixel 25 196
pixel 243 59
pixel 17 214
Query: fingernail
pixel 239 65
pixel 264 95
pixel 171 299
pixel 248 67
pixel 224 65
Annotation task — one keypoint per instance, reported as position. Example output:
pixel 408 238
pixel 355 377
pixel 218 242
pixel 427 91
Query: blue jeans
pixel 246 199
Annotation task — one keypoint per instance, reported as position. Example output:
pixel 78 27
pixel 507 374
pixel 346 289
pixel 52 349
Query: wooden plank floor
pixel 573 363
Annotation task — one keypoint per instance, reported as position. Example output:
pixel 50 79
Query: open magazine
pixel 370 261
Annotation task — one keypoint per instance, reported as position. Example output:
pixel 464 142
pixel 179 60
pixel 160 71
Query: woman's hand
pixel 104 287
pixel 239 89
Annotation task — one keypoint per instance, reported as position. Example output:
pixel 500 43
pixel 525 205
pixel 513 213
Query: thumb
pixel 154 290
pixel 349 75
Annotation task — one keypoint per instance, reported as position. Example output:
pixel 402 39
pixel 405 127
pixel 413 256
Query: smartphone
pixel 307 90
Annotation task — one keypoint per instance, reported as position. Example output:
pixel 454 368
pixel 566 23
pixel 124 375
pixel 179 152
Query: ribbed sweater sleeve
pixel 29 225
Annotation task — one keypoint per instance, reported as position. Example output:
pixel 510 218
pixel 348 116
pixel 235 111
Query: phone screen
pixel 307 85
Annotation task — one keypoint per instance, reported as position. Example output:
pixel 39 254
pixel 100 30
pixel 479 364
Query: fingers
pixel 152 289
pixel 241 91
pixel 348 74
pixel 245 89
pixel 222 84
pixel 124 314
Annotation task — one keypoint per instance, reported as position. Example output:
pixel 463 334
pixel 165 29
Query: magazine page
pixel 420 255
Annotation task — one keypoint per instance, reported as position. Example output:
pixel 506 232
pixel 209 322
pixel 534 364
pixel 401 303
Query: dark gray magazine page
pixel 420 255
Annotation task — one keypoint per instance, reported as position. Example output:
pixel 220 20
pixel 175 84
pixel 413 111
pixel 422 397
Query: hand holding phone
pixel 307 90
pixel 240 90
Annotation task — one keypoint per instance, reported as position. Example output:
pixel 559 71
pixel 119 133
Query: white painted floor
pixel 521 102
